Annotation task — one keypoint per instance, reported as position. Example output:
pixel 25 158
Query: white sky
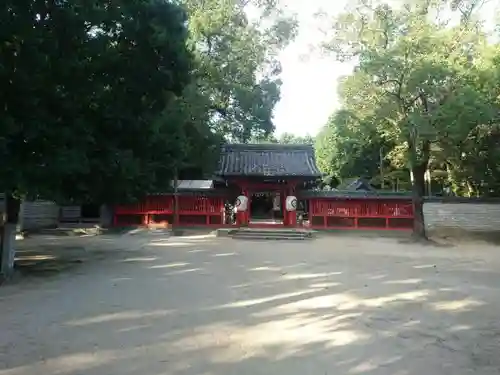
pixel 309 91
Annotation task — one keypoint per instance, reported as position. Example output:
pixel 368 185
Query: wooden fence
pixel 323 212
pixel 192 211
pixel 366 213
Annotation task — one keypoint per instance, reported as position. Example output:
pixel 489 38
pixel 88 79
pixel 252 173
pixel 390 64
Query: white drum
pixel 291 203
pixel 241 203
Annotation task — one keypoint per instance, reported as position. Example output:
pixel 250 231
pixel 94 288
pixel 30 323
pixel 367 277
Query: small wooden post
pixel 176 199
pixel 283 194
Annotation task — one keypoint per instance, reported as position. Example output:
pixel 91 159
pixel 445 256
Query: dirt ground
pixel 151 305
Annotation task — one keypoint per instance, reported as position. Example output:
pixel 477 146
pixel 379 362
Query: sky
pixel 309 90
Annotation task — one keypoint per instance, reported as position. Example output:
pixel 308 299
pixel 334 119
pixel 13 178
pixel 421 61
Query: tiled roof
pixel 355 184
pixel 268 160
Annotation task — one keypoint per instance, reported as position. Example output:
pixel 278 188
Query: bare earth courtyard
pixel 147 305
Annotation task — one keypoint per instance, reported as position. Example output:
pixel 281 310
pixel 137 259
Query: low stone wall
pixel 39 214
pixel 452 216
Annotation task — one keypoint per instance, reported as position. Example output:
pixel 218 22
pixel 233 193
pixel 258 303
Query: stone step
pixel 271 234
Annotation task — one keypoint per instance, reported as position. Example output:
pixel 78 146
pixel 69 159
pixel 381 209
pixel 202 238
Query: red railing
pixel 371 213
pixel 323 212
pixel 153 205
pixel 192 210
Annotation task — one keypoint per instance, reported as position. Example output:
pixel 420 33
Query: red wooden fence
pixel 324 212
pixel 192 211
pixel 371 213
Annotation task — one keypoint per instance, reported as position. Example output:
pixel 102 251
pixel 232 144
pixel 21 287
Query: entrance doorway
pixel 266 208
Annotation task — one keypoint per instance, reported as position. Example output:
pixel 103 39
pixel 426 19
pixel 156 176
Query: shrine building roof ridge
pixel 268 160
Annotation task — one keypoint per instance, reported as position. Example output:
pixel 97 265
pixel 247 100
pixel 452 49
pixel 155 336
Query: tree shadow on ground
pixel 335 306
pixel 50 255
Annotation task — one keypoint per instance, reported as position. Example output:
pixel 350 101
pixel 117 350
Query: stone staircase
pixel 287 234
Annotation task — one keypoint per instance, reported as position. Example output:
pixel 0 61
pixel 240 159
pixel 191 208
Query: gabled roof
pixel 355 184
pixel 268 160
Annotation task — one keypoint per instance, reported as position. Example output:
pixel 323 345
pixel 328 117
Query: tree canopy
pixel 424 93
pixel 289 138
pixel 81 86
pixel 105 101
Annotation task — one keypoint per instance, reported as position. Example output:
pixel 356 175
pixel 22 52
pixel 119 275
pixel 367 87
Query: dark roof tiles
pixel 354 184
pixel 268 160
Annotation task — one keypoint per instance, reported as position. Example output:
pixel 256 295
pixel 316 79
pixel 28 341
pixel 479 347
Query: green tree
pixel 470 153
pixel 237 80
pixel 346 148
pixel 412 81
pixel 289 138
pixel 81 86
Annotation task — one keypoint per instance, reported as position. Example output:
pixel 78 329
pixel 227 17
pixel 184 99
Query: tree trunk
pixel 8 231
pixel 105 216
pixel 418 190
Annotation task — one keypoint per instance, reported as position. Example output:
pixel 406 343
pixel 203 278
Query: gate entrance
pixel 266 208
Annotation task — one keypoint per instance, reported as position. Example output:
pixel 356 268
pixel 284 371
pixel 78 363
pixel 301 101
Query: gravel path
pixel 205 306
